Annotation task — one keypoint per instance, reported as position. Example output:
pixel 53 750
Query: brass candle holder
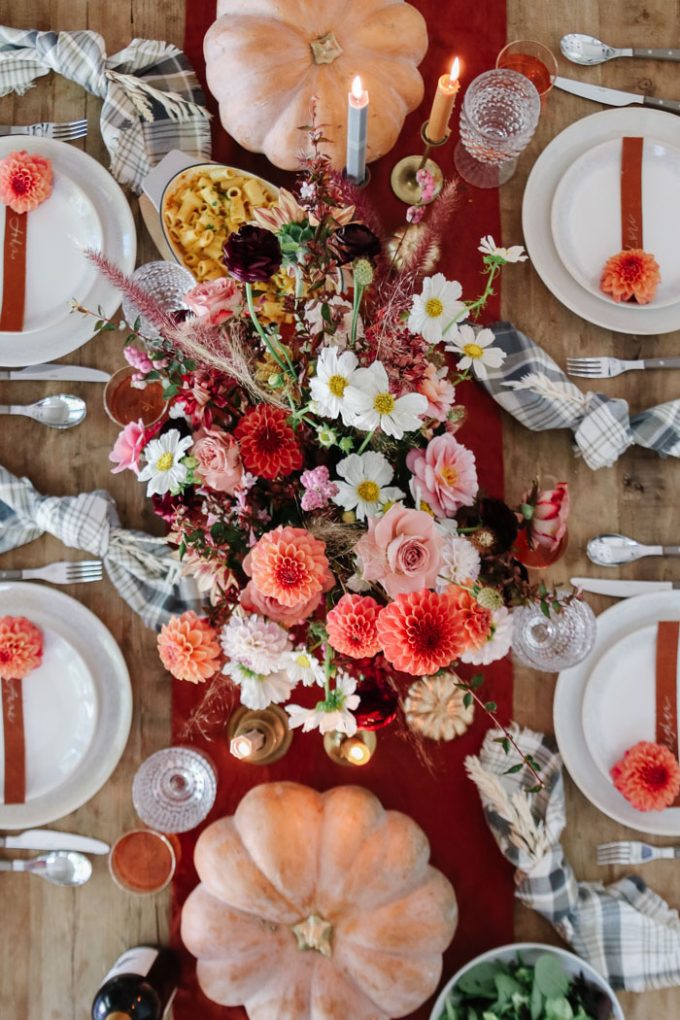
pixel 258 737
pixel 403 177
pixel 356 750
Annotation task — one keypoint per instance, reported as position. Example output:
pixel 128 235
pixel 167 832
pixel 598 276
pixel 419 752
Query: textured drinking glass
pixel 532 59
pixel 555 642
pixel 498 118
pixel 174 789
pixel 166 283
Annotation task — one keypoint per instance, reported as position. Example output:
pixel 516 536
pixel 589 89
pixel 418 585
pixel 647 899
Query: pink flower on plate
pixel 439 392
pixel 219 460
pixel 444 475
pixel 215 300
pixel 402 550
pixel 25 180
pixel 138 359
pixel 128 447
pixel 549 521
pixel 253 601
pixel 319 488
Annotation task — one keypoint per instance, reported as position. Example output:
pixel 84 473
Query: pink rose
pixel 439 392
pixel 128 447
pixel 401 550
pixel 549 520
pixel 444 475
pixel 219 460
pixel 253 601
pixel 214 300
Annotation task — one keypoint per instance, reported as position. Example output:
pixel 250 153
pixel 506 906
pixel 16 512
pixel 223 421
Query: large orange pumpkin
pixel 317 907
pixel 265 60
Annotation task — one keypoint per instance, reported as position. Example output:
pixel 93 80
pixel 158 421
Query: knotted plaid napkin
pixel 535 390
pixel 628 933
pixel 141 567
pixel 152 100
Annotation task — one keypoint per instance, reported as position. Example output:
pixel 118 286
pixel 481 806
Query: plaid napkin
pixel 141 567
pixel 628 933
pixel 152 100
pixel 535 390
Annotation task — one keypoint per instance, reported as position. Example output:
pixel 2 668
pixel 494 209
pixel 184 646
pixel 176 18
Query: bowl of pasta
pixel 202 205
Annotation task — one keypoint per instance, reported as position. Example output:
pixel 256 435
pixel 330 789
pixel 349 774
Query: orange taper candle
pixel 443 103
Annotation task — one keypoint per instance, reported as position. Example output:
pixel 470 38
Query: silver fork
pixel 607 368
pixel 64 572
pixel 629 851
pixel 65 132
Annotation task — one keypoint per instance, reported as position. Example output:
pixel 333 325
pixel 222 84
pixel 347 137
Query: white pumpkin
pixel 317 907
pixel 265 59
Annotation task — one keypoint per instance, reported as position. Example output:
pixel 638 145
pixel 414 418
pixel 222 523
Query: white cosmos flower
pixel 461 562
pixel 366 485
pixel 476 350
pixel 488 246
pixel 163 470
pixel 334 714
pixel 259 689
pixel 436 307
pixel 497 643
pixel 301 666
pixel 333 375
pixel 371 404
pixel 255 641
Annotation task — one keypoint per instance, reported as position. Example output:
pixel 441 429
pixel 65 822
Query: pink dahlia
pixel 189 649
pixel 289 565
pixel 128 447
pixel 352 626
pixel 21 647
pixel 444 475
pixel 421 633
pixel 25 180
pixel 648 776
pixel 439 391
pixel 253 601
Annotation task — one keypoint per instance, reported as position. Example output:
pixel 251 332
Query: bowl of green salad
pixel 527 981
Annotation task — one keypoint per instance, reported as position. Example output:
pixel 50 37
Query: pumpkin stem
pixel 325 49
pixel 314 933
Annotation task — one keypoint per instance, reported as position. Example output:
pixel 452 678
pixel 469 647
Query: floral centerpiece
pixel 308 463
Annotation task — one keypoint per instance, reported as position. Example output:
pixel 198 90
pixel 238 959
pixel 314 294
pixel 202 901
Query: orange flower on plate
pixel 25 180
pixel 21 647
pixel 632 275
pixel 648 776
pixel 189 649
pixel 289 565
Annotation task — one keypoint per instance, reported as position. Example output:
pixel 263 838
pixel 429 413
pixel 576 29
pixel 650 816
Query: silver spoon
pixel 587 50
pixel 610 550
pixel 61 867
pixel 61 411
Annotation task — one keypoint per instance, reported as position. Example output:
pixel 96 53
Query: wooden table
pixel 55 944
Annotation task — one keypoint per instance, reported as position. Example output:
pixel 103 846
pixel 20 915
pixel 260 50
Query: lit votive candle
pixel 357 120
pixel 245 744
pixel 355 751
pixel 443 104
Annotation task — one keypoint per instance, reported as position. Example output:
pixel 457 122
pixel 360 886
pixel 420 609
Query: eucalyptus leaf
pixel 536 1005
pixel 481 980
pixel 506 987
pixel 550 977
pixel 558 1009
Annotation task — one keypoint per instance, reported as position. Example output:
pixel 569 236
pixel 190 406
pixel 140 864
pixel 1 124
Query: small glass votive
pixel 555 642
pixel 142 862
pixel 532 59
pixel 354 750
pixel 124 402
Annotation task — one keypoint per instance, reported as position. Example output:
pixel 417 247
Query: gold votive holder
pixel 355 750
pixel 258 736
pixel 403 177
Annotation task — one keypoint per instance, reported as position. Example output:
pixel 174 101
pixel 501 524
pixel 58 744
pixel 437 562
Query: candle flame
pixel 455 69
pixel 357 87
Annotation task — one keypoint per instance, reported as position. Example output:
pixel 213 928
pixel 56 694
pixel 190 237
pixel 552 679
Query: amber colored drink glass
pixel 125 403
pixel 142 862
pixel 532 59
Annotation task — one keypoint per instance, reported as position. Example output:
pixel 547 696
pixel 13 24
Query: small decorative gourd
pixel 266 59
pixel 435 707
pixel 317 905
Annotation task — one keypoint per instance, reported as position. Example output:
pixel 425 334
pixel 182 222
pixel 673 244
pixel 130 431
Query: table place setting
pixel 288 462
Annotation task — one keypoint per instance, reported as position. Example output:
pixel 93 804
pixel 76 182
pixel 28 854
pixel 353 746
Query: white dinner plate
pixel 87 209
pixel 543 181
pixel 586 216
pixel 77 707
pixel 640 615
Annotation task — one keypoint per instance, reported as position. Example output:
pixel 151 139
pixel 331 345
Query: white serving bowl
pixel 530 951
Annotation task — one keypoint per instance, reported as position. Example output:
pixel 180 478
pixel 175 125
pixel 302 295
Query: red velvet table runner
pixel 444 802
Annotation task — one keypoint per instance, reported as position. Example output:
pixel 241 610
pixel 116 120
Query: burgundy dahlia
pixel 355 241
pixel 252 254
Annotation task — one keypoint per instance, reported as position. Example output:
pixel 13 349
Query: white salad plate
pixel 77 707
pixel 617 681
pixel 87 209
pixel 586 216
pixel 545 177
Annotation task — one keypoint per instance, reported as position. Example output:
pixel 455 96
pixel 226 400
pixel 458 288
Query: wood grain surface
pixel 56 944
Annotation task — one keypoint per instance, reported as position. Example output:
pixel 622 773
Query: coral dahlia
pixel 289 565
pixel 473 618
pixel 21 647
pixel 352 626
pixel 189 649
pixel 268 444
pixel 421 632
pixel 648 776
pixel 632 275
pixel 25 180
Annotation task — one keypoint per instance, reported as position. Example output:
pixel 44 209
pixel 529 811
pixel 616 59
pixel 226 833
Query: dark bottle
pixel 140 986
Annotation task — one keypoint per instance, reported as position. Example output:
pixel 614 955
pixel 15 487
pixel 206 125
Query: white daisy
pixel 488 246
pixel 436 307
pixel 461 562
pixel 497 644
pixel 332 376
pixel 334 714
pixel 301 666
pixel 255 641
pixel 259 689
pixel 366 486
pixel 372 405
pixel 163 470
pixel 475 350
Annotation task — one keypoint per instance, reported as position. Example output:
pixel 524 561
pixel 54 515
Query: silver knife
pixel 622 589
pixel 614 97
pixel 67 373
pixel 52 839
